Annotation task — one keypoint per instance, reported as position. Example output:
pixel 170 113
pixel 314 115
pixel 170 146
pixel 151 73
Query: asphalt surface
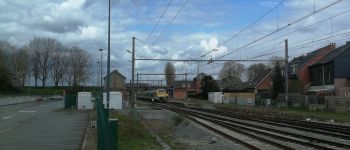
pixel 41 126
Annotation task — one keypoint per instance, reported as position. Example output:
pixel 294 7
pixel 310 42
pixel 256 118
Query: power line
pixel 197 60
pixel 298 46
pixel 149 36
pixel 251 24
pixel 282 28
pixel 172 20
pixel 301 29
pixel 270 51
pixel 292 48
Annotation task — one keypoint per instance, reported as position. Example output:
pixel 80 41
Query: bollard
pixel 113 124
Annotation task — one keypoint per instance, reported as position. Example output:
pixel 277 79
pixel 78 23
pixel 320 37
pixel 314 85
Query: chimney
pixel 332 46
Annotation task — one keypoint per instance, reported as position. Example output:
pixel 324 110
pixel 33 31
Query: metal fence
pixel 312 102
pixel 107 129
pixel 338 104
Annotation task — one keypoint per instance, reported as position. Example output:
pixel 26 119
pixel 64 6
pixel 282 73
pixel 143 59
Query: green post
pixel 113 124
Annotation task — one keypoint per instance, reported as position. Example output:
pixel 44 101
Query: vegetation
pixel 277 85
pixel 256 69
pixel 231 74
pixel 44 59
pixel 208 84
pixel 169 71
pixel 133 135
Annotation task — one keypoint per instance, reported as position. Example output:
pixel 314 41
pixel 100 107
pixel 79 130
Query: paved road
pixel 39 126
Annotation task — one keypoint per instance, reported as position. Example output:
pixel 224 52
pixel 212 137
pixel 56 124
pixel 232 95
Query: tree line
pixel 43 59
pixel 232 74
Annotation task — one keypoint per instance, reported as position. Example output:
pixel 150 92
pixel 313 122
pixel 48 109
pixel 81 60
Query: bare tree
pixel 169 71
pixel 7 55
pixel 35 47
pixel 231 74
pixel 57 68
pixel 77 67
pixel 232 69
pixel 21 62
pixel 256 69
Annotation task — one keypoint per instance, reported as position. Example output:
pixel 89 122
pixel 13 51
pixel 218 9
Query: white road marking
pixel 27 111
pixel 4 130
pixel 8 117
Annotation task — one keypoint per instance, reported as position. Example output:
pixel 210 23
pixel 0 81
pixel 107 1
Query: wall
pixel 342 87
pixel 266 83
pixel 239 98
pixel 8 100
pixel 116 82
pixel 180 94
pixel 341 67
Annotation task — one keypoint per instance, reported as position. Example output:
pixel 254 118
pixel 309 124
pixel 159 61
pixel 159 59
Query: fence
pixel 339 104
pixel 107 129
pixel 312 102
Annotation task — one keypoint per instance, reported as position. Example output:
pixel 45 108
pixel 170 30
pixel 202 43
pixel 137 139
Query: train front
pixel 162 95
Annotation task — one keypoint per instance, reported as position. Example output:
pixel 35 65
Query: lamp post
pixel 101 71
pixel 133 98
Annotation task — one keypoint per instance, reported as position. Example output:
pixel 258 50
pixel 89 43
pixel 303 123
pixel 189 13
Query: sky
pixel 199 27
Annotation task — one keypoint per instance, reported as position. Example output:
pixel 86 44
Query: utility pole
pixel 286 69
pixel 133 74
pixel 109 53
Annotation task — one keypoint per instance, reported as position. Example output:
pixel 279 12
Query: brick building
pixel 262 83
pixel 331 74
pixel 299 67
pixel 116 82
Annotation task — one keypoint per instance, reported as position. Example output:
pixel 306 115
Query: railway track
pixel 319 128
pixel 281 139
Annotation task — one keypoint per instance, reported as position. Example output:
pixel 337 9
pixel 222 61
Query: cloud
pixel 199 28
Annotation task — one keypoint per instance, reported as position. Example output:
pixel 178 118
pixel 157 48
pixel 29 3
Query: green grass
pixel 133 135
pixel 293 113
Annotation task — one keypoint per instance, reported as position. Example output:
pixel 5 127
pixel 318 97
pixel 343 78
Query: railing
pixel 107 129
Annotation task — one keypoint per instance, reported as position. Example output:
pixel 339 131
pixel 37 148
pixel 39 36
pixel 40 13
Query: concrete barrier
pixel 8 100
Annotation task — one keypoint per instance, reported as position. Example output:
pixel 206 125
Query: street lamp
pixel 101 71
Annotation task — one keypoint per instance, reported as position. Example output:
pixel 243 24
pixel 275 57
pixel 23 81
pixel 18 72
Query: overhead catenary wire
pixel 160 18
pixel 172 20
pixel 267 52
pixel 292 48
pixel 282 28
pixel 301 29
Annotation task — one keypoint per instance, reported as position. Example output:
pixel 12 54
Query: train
pixel 158 95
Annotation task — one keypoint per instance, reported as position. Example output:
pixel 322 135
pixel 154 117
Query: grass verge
pixel 133 135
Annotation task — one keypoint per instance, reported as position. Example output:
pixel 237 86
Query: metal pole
pixel 286 69
pixel 137 82
pixel 109 53
pixel 101 72
pixel 133 73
